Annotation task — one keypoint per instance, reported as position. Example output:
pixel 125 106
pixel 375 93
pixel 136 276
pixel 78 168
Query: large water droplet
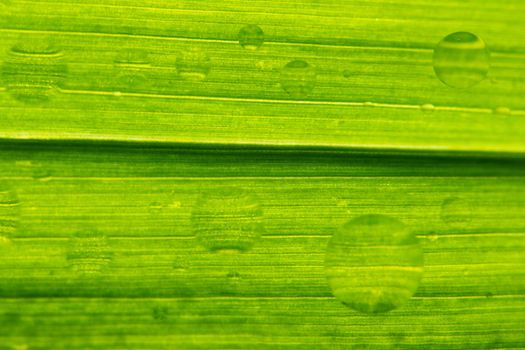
pixel 33 70
pixel 461 60
pixel 193 64
pixel 373 263
pixel 251 37
pixel 298 78
pixel 227 220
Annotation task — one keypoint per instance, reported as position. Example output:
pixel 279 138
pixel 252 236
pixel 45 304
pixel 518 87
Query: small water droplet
pixel 461 60
pixel 33 71
pixel 40 173
pixel 502 111
pixel 234 275
pixel 373 263
pixel 155 208
pixel 20 347
pixel 456 211
pixel 432 237
pixel 34 168
pixel 160 313
pixel 131 66
pixel 347 73
pixel 227 220
pixel 342 203
pixel 428 107
pixel 89 253
pixel 5 241
pixel 180 264
pixel 4 5
pixel 298 78
pixel 193 64
pixel 9 213
pixel 251 37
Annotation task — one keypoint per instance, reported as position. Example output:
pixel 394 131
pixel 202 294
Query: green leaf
pixel 262 175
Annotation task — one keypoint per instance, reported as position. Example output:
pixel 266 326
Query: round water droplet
pixel 193 64
pixel 428 107
pixel 251 37
pixel 373 263
pixel 180 264
pixel 461 60
pixel 9 213
pixel 131 66
pixel 160 313
pixel 33 71
pixel 298 78
pixel 40 173
pixel 502 111
pixel 456 211
pixel 232 283
pixel 227 220
pixel 347 73
pixel 89 253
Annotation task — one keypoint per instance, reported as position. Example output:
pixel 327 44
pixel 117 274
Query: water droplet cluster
pixel 373 263
pixel 35 69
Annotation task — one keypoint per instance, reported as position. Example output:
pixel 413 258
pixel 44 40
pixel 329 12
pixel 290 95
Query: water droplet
pixel 502 111
pixel 432 237
pixel 428 107
pixel 373 263
pixel 40 173
pixel 160 313
pixel 155 208
pixel 131 66
pixel 233 275
pixel 193 64
pixel 233 282
pixel 180 264
pixel 298 78
pixel 461 60
pixel 9 213
pixel 251 37
pixel 20 347
pixel 456 211
pixel 5 6
pixel 347 73
pixel 342 203
pixel 33 71
pixel 227 220
pixel 89 253
pixel 34 169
